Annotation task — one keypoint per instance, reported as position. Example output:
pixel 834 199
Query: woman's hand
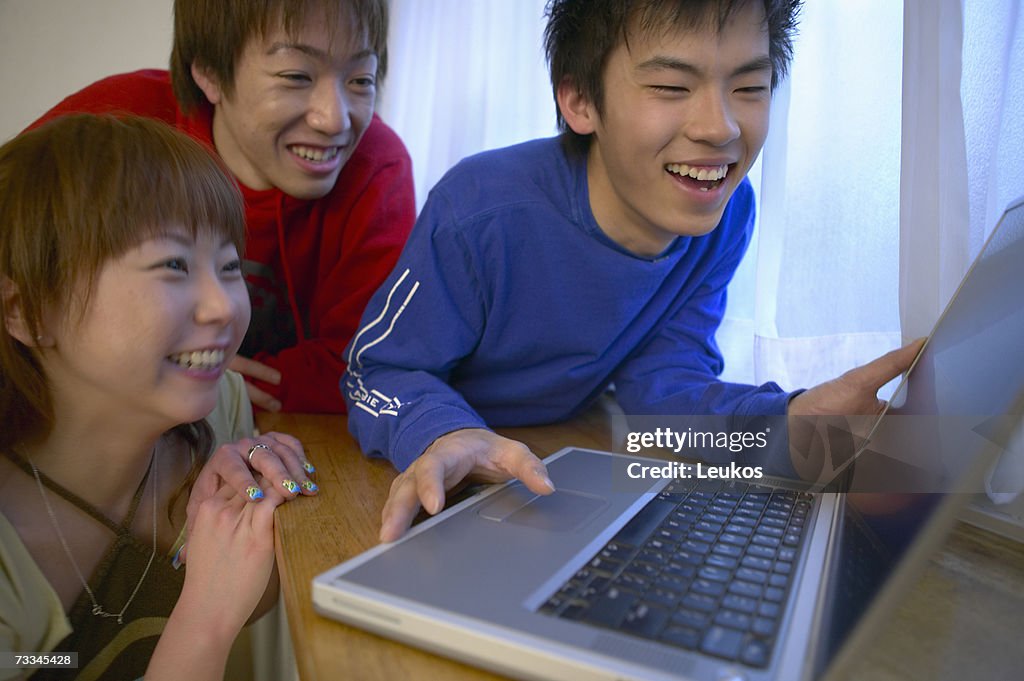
pixel 272 460
pixel 275 456
pixel 230 562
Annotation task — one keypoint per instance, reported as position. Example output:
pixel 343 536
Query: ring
pixel 252 450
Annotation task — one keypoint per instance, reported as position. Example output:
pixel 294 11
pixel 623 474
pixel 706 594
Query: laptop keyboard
pixel 706 565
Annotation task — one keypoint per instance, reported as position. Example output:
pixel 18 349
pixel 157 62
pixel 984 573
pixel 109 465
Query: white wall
pixel 51 48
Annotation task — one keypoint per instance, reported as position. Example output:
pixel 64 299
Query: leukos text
pixel 684 471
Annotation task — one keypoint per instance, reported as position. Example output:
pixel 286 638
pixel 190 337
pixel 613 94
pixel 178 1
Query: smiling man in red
pixel 541 274
pixel 284 92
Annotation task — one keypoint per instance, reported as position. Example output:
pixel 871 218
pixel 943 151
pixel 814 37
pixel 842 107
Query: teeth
pixel 316 155
pixel 199 359
pixel 704 174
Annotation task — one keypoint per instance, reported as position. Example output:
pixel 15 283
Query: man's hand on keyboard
pixel 469 453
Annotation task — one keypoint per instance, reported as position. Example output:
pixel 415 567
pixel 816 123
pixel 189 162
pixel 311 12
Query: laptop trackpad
pixel 561 511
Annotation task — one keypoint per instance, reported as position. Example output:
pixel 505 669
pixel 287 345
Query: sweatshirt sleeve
pixel 427 316
pixel 374 231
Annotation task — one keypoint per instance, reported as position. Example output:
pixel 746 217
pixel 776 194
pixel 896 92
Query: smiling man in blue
pixel 539 275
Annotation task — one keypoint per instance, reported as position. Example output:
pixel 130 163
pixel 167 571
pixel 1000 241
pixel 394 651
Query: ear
pixel 208 83
pixel 579 113
pixel 14 317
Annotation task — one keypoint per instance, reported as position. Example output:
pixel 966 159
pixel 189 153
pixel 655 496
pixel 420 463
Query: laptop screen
pixel 960 406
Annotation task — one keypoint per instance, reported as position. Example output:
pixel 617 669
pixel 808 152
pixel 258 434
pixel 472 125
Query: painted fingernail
pixel 310 486
pixel 254 492
pixel 308 467
pixel 176 562
pixel 291 486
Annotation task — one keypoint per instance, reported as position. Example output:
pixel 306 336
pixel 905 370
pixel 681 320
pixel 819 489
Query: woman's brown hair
pixel 75 193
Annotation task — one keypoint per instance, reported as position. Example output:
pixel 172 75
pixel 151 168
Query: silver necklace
pixel 98 609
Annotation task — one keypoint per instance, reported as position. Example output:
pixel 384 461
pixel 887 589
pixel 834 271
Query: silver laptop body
pixel 482 581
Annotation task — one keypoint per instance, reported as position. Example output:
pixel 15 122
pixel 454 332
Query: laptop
pixel 620 576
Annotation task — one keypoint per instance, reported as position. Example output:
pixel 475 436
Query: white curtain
pixel 816 294
pixel 464 76
pixel 993 100
pixel 992 93
pixel 936 235
pixel 894 148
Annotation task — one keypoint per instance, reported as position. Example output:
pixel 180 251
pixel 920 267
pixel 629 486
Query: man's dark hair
pixel 581 34
pixel 213 33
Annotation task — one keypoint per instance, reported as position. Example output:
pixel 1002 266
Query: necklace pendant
pixel 100 612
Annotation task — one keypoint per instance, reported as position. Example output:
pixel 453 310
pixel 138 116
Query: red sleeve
pixel 357 255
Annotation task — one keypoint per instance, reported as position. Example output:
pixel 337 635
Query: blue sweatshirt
pixel 509 306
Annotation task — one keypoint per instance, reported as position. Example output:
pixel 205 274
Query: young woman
pixel 121 303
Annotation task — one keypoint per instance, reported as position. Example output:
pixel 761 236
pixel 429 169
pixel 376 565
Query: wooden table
pixel 964 619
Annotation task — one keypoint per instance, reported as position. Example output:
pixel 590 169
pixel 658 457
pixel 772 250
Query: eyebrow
pixel 316 52
pixel 756 65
